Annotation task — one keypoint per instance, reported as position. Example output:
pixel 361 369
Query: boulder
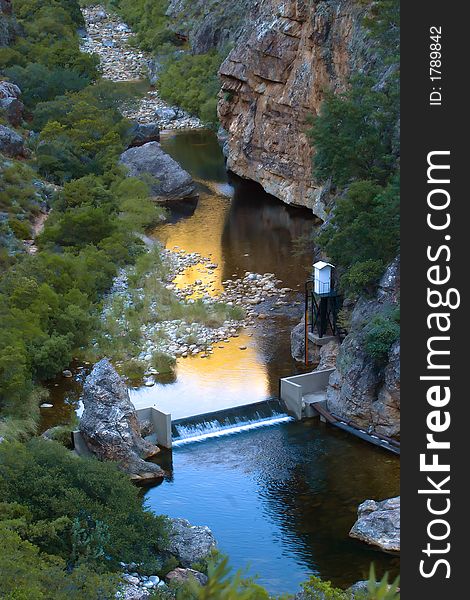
pixel 142 133
pixel 179 576
pixel 378 524
pixel 166 114
pixel 172 182
pixel 109 424
pixel 328 354
pixel 13 109
pixel 297 344
pixel 189 543
pixel 9 90
pixel 11 143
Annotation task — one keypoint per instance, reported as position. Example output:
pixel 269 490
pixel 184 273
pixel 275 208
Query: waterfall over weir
pixel 228 423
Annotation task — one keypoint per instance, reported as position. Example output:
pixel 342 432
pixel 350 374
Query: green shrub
pixel 191 81
pixel 53 484
pixel 381 334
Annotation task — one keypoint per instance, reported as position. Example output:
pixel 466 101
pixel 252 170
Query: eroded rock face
pixel 275 78
pixel 359 390
pixel 378 524
pixel 189 543
pixel 11 143
pixel 207 25
pixel 110 427
pixel 172 182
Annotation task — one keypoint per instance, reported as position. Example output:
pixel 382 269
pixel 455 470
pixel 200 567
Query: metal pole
pixel 306 325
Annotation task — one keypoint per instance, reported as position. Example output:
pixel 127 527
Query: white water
pixel 213 429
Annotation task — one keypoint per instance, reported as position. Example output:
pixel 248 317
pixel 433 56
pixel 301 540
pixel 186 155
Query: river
pixel 281 499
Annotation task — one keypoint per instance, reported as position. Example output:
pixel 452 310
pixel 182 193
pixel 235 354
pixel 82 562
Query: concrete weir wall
pixel 294 389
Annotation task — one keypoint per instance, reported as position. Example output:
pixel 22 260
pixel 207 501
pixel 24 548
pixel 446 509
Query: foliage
pixel 28 574
pixel 95 513
pixel 148 19
pixel 355 138
pixel 380 334
pixel 191 81
pixel 362 236
pixel 316 589
pixel 222 585
pixel 51 62
pixel 382 590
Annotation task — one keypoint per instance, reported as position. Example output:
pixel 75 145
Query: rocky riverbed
pixel 110 39
pixel 253 298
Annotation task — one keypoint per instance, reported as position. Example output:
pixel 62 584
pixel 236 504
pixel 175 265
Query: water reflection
pixel 282 500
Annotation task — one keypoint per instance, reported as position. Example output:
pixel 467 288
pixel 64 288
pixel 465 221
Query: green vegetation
pixel 356 142
pixel 185 79
pixel 380 335
pixel 191 81
pixel 67 522
pixel 45 60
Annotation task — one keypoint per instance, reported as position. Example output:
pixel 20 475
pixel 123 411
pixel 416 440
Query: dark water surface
pixel 280 500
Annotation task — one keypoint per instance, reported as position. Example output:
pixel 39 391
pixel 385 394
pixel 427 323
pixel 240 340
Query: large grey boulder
pixel 109 424
pixel 171 181
pixel 11 143
pixel 143 133
pixel 189 543
pixel 378 524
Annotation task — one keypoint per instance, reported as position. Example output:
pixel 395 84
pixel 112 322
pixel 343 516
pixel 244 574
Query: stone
pixel 328 354
pixel 172 182
pixel 13 109
pixel 378 524
pixel 359 390
pixel 189 543
pixel 166 114
pixel 132 592
pixel 297 345
pixel 109 424
pixel 274 78
pixel 11 143
pixel 180 576
pixel 142 133
pixel 67 373
pixel 9 90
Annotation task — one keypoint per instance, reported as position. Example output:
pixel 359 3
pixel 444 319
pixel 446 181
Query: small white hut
pixel 322 277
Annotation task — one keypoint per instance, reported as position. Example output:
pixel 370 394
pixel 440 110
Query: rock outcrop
pixel 143 133
pixel 11 143
pixel 206 24
pixel 110 427
pixel 275 78
pixel 8 25
pixel 378 524
pixel 359 389
pixel 10 103
pixel 189 543
pixel 171 181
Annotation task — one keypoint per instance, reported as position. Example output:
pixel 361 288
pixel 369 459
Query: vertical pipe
pixel 306 325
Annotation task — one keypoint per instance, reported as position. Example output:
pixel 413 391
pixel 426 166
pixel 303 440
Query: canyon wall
pixel 275 78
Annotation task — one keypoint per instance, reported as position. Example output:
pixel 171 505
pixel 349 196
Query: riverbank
pixel 110 39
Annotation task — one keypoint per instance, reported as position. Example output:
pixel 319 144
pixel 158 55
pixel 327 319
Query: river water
pixel 280 499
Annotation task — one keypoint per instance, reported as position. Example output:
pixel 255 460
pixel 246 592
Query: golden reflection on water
pixel 202 233
pixel 229 376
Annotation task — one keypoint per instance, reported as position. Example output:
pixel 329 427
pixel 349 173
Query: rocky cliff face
pixel 359 390
pixel 274 78
pixel 208 24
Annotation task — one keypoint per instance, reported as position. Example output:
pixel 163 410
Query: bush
pixel 57 488
pixel 381 334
